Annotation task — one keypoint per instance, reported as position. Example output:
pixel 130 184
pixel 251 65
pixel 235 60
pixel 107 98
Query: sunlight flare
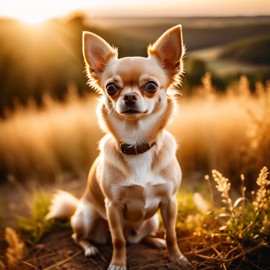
pixel 35 12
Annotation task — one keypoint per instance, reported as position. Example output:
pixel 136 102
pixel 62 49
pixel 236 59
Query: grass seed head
pixel 16 249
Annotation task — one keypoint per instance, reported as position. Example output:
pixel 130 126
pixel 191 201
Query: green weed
pixel 36 225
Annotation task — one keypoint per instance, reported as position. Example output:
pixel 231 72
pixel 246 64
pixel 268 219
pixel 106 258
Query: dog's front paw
pixel 91 251
pixel 183 263
pixel 117 267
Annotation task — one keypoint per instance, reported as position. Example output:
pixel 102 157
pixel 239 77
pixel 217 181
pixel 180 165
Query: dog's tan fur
pixel 124 192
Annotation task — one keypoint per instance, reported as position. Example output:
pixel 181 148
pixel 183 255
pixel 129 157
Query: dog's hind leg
pixel 83 224
pixel 146 234
pixel 154 242
pixel 89 249
pixel 150 239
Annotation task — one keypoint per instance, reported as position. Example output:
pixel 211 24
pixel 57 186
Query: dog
pixel 136 172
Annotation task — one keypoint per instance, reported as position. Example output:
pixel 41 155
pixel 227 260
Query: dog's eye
pixel 111 88
pixel 151 87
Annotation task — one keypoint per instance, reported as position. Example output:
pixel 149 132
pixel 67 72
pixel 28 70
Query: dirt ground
pixel 58 251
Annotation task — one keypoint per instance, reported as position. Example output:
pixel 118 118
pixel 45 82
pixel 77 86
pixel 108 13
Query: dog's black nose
pixel 130 98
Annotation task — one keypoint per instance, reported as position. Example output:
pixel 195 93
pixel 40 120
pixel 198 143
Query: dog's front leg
pixel 116 223
pixel 169 215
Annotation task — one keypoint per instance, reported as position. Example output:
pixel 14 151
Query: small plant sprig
pixel 15 251
pixel 223 185
pixel 247 222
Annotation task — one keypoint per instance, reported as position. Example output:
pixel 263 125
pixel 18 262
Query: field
pixel 53 147
pixel 49 138
pixel 208 126
pixel 227 132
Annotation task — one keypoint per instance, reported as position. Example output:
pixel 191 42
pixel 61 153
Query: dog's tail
pixel 63 205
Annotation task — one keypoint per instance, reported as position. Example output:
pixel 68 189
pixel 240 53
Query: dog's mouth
pixel 131 111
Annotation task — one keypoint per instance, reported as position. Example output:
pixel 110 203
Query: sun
pixel 31 18
pixel 28 12
pixel 34 12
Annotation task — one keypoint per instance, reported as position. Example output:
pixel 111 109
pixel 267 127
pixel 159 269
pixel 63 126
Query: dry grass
pixel 14 252
pixel 230 233
pixel 225 132
pixel 45 142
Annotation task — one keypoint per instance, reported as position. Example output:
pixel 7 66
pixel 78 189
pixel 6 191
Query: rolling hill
pixel 255 50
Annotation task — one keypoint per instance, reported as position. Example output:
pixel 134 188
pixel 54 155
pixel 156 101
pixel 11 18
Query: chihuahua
pixel 136 172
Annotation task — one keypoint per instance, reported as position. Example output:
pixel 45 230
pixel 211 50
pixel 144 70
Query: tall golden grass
pixel 228 132
pixel 45 142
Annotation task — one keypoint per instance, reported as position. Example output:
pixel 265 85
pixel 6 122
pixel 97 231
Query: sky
pixel 39 10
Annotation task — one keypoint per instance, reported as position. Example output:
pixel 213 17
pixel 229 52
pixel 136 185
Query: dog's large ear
pixel 96 52
pixel 169 50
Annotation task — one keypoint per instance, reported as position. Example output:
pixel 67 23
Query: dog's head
pixel 134 87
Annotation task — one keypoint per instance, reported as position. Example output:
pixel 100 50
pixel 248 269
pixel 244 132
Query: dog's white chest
pixel 142 202
pixel 141 171
pixel 143 191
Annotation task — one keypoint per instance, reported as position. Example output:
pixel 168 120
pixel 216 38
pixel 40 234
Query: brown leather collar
pixel 130 149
